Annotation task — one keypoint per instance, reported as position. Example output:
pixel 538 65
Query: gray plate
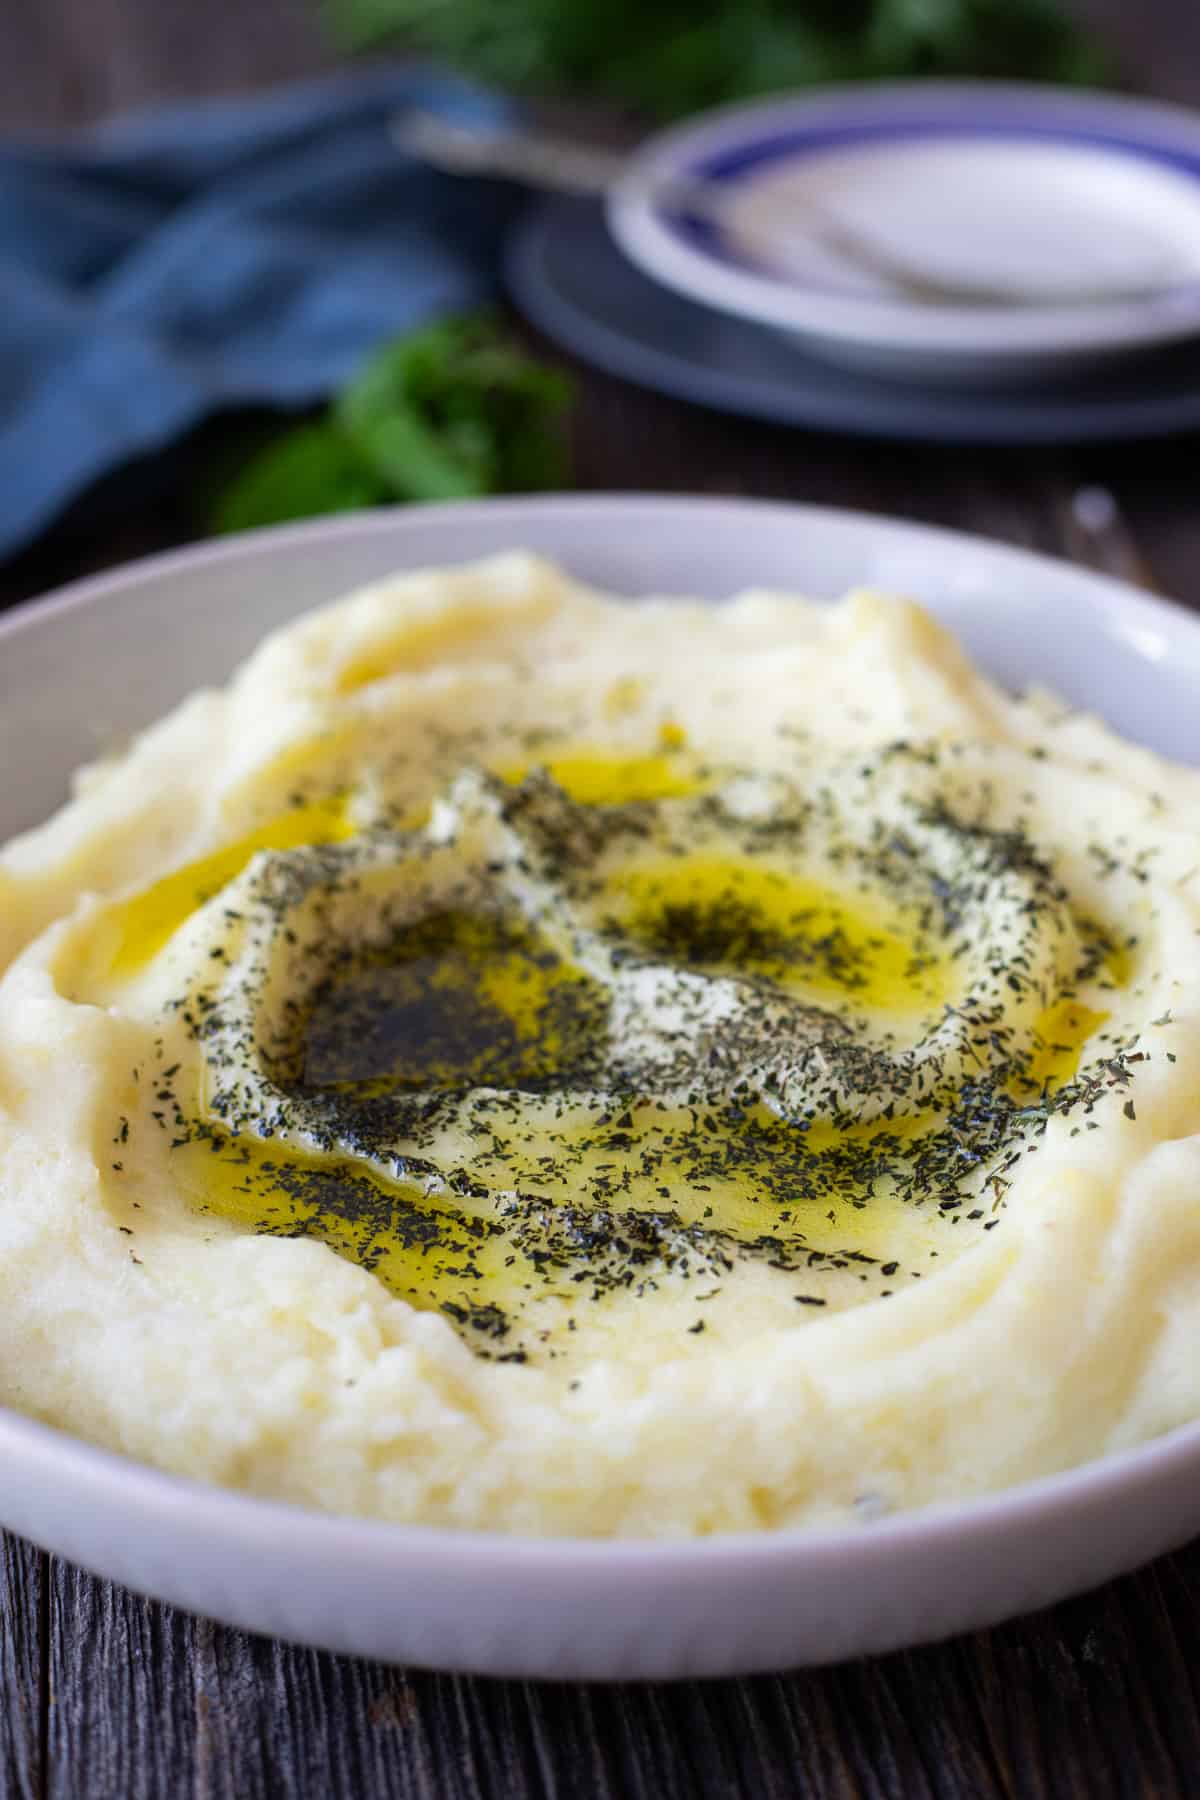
pixel 568 277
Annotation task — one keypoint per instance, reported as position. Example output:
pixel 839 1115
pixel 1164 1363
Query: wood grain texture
pixel 69 62
pixel 1096 1697
pixel 107 1696
pixel 22 1580
pixel 1156 44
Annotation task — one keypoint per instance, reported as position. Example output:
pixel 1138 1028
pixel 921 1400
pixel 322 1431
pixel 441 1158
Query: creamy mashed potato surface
pixel 521 1060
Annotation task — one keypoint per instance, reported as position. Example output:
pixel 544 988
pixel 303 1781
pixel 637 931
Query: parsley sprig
pixel 668 57
pixel 447 412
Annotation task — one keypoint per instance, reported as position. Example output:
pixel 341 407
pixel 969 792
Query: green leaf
pixel 671 57
pixel 454 411
pixel 311 470
pixel 449 411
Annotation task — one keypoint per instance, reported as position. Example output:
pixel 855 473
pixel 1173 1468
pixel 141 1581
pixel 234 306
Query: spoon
pixel 562 165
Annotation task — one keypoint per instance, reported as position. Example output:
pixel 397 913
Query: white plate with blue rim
pixel 974 231
pixel 112 653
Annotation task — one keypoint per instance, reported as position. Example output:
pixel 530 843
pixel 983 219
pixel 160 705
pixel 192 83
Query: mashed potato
pixel 520 1060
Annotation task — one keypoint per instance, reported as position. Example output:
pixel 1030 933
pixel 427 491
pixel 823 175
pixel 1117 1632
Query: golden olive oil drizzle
pixel 148 920
pixel 516 1235
pixel 542 1202
pixel 1060 1033
pixel 593 777
pixel 802 934
pixel 422 1246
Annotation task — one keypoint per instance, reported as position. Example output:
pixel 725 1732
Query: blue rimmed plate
pixel 972 231
pixel 567 276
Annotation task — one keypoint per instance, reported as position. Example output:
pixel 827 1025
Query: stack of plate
pixel 967 261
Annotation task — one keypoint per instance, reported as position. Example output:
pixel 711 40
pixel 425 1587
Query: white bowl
pixel 1071 221
pixel 108 655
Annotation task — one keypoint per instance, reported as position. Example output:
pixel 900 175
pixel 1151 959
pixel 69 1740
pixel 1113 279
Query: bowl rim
pixel 1118 600
pixel 147 1491
pixel 83 590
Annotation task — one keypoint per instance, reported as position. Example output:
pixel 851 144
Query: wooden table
pixel 105 1694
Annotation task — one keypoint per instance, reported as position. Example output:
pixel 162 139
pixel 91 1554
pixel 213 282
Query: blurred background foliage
pixel 447 412
pixel 456 408
pixel 668 57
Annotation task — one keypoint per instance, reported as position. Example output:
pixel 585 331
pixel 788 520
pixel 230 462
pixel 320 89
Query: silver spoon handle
pixel 556 165
pixel 534 158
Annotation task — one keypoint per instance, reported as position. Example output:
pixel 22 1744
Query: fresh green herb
pixel 669 57
pixel 450 411
pixel 455 410
pixel 310 470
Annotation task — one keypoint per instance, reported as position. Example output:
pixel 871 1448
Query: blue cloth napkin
pixel 215 254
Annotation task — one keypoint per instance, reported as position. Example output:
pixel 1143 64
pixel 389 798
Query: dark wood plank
pixel 1093 1698
pixel 68 62
pixel 22 1579
pixel 1156 487
pixel 1156 43
pixel 148 1702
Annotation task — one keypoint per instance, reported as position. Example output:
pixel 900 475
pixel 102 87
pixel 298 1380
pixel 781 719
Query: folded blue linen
pixel 222 253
